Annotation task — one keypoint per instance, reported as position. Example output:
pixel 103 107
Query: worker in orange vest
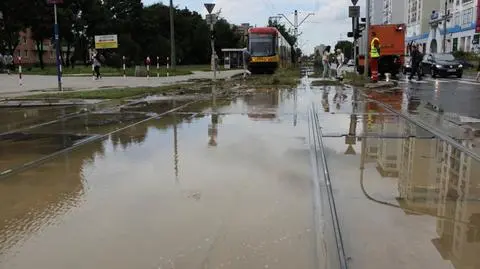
pixel 374 56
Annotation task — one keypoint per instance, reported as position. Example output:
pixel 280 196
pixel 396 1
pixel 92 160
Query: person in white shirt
pixel 340 61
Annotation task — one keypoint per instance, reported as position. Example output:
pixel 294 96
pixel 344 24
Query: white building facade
pixel 462 30
pixel 394 11
pixel 376 11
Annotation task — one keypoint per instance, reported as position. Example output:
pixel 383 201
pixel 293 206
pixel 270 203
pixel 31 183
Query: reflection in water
pixel 263 104
pixel 434 179
pixel 29 201
pixel 213 126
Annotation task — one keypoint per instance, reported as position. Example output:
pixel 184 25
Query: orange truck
pixel 392 48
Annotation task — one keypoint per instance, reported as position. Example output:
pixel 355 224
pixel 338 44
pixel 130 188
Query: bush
pixel 466 55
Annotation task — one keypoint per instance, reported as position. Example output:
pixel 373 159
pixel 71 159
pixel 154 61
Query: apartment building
pixel 418 16
pixel 394 11
pixel 458 234
pixel 376 11
pixel 461 30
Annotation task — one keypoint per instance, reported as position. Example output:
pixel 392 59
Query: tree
pixel 12 23
pixel 225 36
pixel 40 21
pixel 346 47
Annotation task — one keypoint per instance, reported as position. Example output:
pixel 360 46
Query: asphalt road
pixel 453 95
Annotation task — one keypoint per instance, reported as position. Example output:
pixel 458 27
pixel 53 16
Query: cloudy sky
pixel 327 26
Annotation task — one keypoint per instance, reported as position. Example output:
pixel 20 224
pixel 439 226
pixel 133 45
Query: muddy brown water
pixel 195 190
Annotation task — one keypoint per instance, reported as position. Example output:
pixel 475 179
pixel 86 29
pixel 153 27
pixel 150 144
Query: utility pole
pixel 295 21
pixel 295 26
pixel 445 19
pixel 367 39
pixel 173 60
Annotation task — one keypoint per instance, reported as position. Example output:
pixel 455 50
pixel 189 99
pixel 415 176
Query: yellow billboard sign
pixel 106 41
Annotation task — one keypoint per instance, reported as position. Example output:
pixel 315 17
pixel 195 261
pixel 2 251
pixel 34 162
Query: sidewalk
pixel 9 84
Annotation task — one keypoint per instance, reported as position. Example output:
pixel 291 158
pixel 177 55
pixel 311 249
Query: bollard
pixel 124 72
pixel 158 67
pixel 20 71
pixel 147 62
pixel 168 66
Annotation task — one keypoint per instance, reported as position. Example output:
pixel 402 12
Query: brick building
pixel 27 49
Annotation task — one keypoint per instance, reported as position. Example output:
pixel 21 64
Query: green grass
pixel 115 93
pixel 282 77
pixel 81 70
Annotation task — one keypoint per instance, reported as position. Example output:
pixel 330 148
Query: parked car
pixel 350 62
pixel 441 64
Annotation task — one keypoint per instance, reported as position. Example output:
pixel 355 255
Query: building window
pixel 24 40
pixel 25 54
pixel 467 16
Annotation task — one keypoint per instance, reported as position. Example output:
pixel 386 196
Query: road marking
pixel 469 82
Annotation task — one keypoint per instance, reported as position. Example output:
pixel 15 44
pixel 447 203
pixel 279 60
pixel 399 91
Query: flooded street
pixel 228 183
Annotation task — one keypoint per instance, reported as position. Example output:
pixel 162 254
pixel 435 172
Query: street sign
pixel 209 7
pixel 211 19
pixel 354 2
pixel 106 41
pixel 54 1
pixel 354 11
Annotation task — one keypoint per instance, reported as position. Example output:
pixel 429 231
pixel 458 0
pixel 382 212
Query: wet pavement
pixel 230 183
pixel 451 94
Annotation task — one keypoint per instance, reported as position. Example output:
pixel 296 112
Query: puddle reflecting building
pixel 458 224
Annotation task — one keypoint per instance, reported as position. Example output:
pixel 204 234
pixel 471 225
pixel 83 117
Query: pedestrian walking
pixel 326 62
pixel 340 61
pixel 97 65
pixel 416 59
pixel 374 56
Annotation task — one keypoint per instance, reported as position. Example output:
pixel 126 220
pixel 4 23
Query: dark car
pixel 465 63
pixel 441 64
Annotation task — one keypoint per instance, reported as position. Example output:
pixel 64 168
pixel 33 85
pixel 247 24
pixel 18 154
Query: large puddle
pixel 227 183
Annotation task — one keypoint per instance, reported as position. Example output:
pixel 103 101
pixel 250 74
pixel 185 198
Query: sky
pixel 329 24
